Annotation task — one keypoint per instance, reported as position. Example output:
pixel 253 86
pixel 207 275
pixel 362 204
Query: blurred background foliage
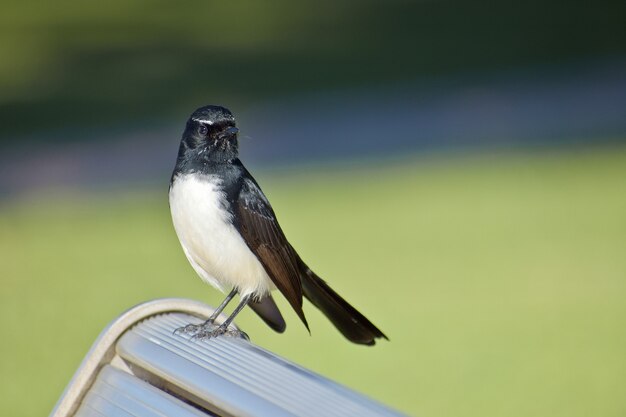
pixel 455 169
pixel 72 65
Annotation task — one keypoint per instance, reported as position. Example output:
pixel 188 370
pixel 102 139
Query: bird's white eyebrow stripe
pixel 202 121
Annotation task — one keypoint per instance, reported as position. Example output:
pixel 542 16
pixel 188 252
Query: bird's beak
pixel 230 132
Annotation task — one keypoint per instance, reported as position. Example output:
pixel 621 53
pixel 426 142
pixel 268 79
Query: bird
pixel 231 236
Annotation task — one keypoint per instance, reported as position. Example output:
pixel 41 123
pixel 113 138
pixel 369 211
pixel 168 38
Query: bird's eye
pixel 203 130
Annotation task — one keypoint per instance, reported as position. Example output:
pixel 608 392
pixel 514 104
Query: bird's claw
pixel 189 329
pixel 206 331
pixel 209 332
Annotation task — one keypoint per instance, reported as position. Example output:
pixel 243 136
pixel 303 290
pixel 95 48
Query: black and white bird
pixel 231 237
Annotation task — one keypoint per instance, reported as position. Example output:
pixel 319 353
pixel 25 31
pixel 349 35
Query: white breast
pixel 211 243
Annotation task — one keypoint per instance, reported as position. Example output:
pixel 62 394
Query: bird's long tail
pixel 352 324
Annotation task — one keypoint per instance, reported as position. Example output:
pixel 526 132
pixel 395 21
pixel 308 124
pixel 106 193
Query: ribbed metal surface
pixel 102 352
pixel 117 393
pixel 236 377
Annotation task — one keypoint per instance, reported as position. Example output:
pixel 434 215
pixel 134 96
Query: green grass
pixel 499 278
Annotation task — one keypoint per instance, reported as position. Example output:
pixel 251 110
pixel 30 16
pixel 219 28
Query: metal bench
pixel 139 367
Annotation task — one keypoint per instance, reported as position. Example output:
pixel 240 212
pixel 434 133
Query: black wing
pixel 257 224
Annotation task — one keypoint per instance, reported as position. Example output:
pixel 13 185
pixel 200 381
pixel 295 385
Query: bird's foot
pixel 191 329
pixel 208 330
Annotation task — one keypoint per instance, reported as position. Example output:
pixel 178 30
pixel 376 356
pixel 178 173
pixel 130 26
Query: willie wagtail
pixel 232 239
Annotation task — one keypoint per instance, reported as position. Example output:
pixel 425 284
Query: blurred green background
pixel 456 170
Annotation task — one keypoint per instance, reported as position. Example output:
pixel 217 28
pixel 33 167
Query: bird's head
pixel 210 134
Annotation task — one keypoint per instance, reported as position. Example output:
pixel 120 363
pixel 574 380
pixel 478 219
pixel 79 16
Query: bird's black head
pixel 210 135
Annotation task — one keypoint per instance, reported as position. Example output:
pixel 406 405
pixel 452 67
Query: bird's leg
pixel 221 307
pixel 195 328
pixel 244 302
pixel 207 332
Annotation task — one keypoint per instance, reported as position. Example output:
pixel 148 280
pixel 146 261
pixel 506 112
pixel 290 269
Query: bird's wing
pixel 259 228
